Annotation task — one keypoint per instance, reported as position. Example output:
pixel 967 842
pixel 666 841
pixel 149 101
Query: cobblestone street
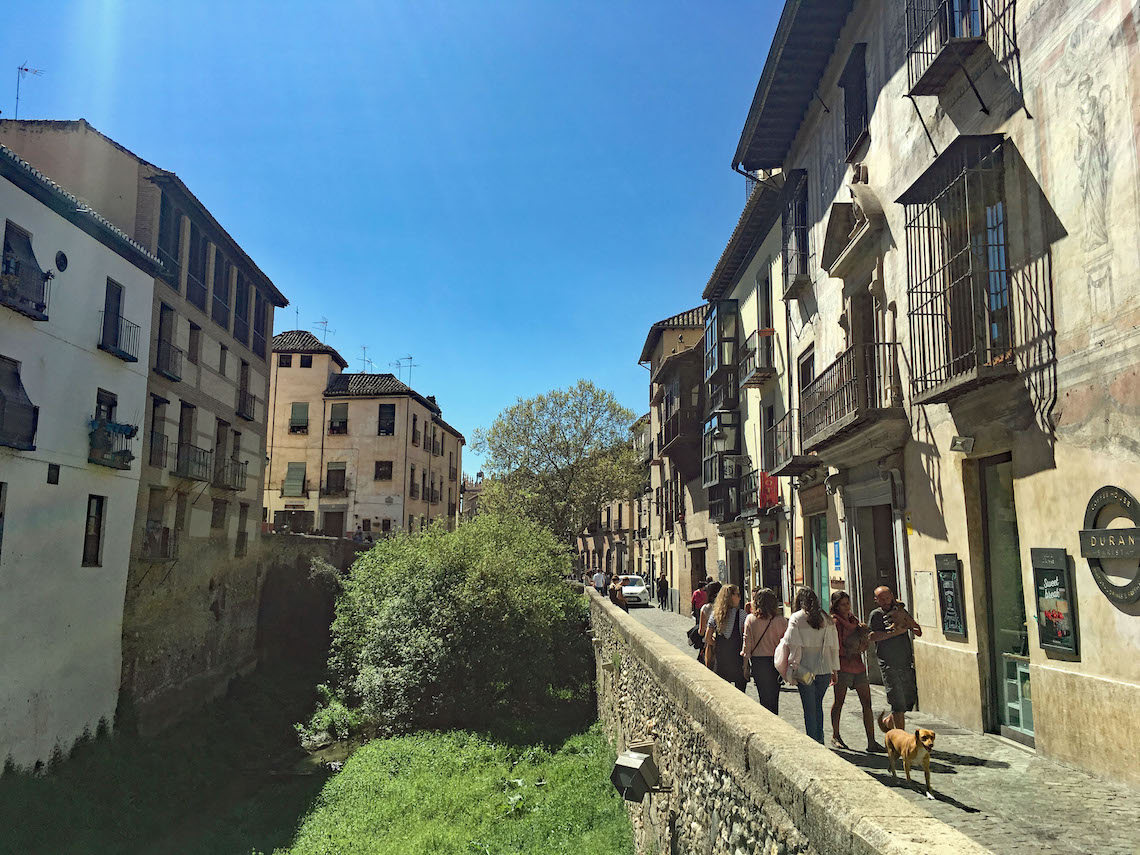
pixel 1000 794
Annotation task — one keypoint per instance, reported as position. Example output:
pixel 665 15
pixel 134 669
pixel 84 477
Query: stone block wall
pixel 741 779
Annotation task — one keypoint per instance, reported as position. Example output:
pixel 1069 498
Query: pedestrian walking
pixel 763 629
pixel 697 601
pixel 662 590
pixel 891 627
pixel 812 657
pixel 600 582
pixel 724 637
pixel 617 596
pixel 710 593
pixel 853 640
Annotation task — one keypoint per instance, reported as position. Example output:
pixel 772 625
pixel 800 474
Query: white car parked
pixel 636 593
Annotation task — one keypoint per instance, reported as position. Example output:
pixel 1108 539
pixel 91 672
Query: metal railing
pixel 220 312
pixel 784 438
pixel 336 489
pixel 119 337
pixel 416 437
pixel 296 490
pixel 28 295
pixel 414 491
pixel 110 444
pixel 196 291
pixel 156 453
pixel 338 427
pixel 862 378
pixel 931 25
pixel 452 473
pixel 170 264
pixel 435 497
pixel 759 491
pixel 757 358
pixel 682 422
pixel 246 405
pixel 159 542
pixel 168 360
pixel 18 423
pixel 231 475
pixel 193 462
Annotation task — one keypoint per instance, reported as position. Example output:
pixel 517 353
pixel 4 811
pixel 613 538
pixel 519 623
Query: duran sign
pixel 1098 543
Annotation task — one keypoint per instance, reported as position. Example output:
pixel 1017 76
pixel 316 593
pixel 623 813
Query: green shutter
pixel 333 465
pixel 338 413
pixel 294 479
pixel 299 416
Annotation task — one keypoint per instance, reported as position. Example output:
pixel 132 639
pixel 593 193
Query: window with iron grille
pixel 383 470
pixel 387 422
pixel 854 84
pixel 958 294
pixel 795 228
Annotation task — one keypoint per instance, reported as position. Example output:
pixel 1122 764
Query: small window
pixel 218 515
pixel 195 347
pixel 383 470
pixel 299 417
pixel 93 532
pixel 338 419
pixel 284 360
pixel 306 360
pixel 366 524
pixel 105 404
pixel 387 420
pixel 385 524
pixel 223 352
pixel 53 473
pixel 335 480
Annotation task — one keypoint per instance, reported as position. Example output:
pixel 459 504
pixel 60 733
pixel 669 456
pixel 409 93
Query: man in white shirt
pixel 600 582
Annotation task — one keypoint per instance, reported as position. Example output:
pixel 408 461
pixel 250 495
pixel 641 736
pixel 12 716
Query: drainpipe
pixel 794 481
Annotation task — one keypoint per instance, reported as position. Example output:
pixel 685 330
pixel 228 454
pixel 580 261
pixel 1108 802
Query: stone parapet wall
pixel 742 780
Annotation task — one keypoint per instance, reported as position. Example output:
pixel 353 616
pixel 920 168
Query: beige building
pixel 962 289
pixel 193 585
pixel 353 452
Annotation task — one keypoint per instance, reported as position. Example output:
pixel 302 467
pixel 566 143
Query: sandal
pixel 837 742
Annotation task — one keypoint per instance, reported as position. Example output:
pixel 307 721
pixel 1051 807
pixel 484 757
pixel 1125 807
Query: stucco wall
pixel 742 780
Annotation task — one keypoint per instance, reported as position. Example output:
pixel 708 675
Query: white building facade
pixel 75 310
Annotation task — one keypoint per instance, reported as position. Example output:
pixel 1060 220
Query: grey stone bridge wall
pixel 743 781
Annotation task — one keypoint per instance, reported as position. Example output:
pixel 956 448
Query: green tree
pixel 560 457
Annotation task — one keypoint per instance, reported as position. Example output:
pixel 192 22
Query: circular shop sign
pixel 1098 543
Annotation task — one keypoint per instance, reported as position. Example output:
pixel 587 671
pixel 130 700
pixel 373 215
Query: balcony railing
pixel 338 427
pixel 436 449
pixel 757 359
pixel 110 444
pixel 683 423
pixel 298 427
pixel 230 475
pixel 452 473
pixel 941 36
pixel 193 462
pixel 119 337
pixel 196 290
pixel 861 382
pixel 787 451
pixel 156 453
pixel 724 503
pixel 295 489
pixel 168 361
pixel 159 543
pixel 416 437
pixel 28 295
pixel 759 491
pixel 246 405
pixel 414 491
pixel 435 497
pixel 336 488
pixel 18 423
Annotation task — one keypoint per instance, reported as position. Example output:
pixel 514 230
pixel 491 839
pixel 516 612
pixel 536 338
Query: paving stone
pixel 1000 794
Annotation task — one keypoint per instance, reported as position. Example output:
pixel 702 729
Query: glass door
pixel 1011 694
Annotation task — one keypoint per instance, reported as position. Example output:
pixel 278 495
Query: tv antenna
pixel 364 360
pixel 21 70
pixel 400 364
pixel 323 323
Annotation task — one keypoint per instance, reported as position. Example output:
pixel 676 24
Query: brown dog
pixel 913 748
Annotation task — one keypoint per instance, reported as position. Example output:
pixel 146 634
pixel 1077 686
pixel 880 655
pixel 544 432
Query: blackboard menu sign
pixel 948 571
pixel 1056 602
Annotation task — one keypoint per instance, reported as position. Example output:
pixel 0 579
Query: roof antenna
pixel 364 360
pixel 399 366
pixel 323 323
pixel 297 314
pixel 411 365
pixel 21 70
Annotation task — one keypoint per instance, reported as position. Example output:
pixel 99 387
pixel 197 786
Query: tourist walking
pixel 763 629
pixel 891 627
pixel 710 594
pixel 853 640
pixel 697 601
pixel 600 582
pixel 812 657
pixel 662 590
pixel 617 596
pixel 724 637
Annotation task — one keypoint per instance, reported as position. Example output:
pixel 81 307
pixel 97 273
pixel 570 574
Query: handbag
pixel 748 659
pixel 694 634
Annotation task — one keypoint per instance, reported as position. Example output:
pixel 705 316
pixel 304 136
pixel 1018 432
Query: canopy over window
pixel 22 281
pixel 294 480
pixel 18 416
pixel 338 412
pixel 299 417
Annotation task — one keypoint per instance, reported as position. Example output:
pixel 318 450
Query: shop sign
pixel 948 570
pixel 1098 543
pixel 1056 602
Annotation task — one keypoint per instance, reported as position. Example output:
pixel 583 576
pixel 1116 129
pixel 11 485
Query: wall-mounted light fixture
pixel 963 444
pixel 635 774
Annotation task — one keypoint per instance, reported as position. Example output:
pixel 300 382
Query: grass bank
pixel 459 792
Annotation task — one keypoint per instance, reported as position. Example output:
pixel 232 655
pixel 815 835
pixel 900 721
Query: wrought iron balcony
pixel 156 452
pixel 168 361
pixel 436 449
pixel 941 36
pixel 119 337
pixel 25 292
pixel 414 491
pixel 757 359
pixel 159 543
pixel 452 473
pixel 683 424
pixel 859 387
pixel 338 427
pixel 336 488
pixel 18 423
pixel 295 489
pixel 417 435
pixel 788 458
pixel 193 462
pixel 759 491
pixel 247 405
pixel 230 475
pixel 110 444
pixel 435 497
pixel 724 502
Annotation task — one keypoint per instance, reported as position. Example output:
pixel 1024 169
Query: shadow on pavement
pixel 969 760
pixel 917 787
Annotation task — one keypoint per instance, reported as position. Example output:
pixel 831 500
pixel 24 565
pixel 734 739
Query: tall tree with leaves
pixel 560 457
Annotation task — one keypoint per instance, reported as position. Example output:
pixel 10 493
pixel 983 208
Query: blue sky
pixel 510 192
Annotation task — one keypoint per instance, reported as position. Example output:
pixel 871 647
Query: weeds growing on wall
pixel 443 629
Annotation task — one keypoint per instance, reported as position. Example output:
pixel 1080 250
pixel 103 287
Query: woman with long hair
pixel 617 595
pixel 853 640
pixel 712 589
pixel 724 637
pixel 763 629
pixel 813 657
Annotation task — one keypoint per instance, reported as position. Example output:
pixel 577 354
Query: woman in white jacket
pixel 812 646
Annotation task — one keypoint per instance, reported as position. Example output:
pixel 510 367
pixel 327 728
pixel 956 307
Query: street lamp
pixel 719 440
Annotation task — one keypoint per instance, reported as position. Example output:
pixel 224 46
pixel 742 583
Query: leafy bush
pixel 443 629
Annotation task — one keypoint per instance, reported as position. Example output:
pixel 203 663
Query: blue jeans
pixel 811 696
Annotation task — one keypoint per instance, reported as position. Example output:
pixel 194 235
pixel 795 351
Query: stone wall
pixel 743 781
